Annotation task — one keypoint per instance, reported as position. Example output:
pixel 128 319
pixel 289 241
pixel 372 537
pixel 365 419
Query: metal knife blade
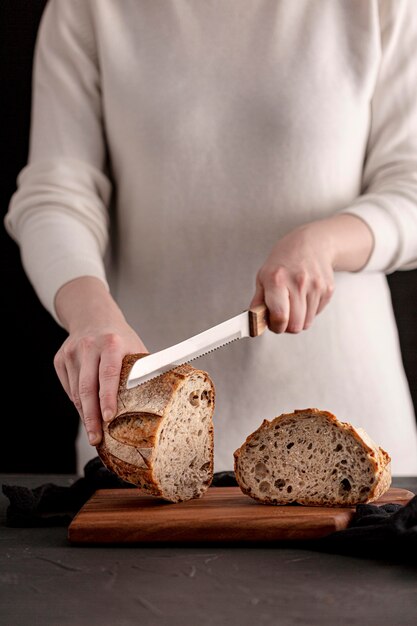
pixel 250 323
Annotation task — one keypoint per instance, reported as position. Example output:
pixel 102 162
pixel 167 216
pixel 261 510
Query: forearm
pixel 85 302
pixel 348 239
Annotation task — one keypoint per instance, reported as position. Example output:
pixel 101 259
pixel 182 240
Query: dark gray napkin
pixel 387 531
pixel 52 505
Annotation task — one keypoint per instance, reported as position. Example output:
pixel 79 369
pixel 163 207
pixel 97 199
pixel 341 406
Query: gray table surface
pixel 45 581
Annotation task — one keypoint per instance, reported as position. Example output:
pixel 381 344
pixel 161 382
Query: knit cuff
pixel 385 233
pixel 61 272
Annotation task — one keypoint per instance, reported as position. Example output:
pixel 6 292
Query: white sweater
pixel 180 139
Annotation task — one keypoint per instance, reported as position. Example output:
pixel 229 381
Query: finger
pixel 298 308
pixel 109 376
pixel 61 371
pixel 278 304
pixel 73 381
pixel 313 301
pixel 325 298
pixel 298 303
pixel 88 392
pixel 258 298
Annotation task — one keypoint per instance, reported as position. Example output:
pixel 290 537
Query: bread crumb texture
pixel 309 457
pixel 161 438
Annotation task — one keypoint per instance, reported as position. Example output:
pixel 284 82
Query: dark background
pixel 39 423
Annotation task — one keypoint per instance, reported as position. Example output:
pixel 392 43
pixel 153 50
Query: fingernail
pixel 93 438
pixel 107 415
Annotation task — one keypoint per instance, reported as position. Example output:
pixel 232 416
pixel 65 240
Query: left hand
pixel 296 281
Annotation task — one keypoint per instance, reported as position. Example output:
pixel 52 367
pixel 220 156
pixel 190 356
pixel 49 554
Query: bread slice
pixel 161 438
pixel 311 458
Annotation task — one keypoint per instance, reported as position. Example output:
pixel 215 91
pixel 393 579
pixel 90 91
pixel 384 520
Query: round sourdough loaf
pixel 161 438
pixel 311 458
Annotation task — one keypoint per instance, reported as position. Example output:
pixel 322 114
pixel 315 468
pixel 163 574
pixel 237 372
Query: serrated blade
pixel 160 362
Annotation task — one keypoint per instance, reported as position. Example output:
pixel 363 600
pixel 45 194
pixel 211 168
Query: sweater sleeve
pixel 388 204
pixel 58 215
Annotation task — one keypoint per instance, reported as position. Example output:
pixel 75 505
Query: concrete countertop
pixel 45 581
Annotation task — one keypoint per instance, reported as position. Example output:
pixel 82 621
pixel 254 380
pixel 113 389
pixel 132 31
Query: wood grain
pixel 258 320
pixel 224 514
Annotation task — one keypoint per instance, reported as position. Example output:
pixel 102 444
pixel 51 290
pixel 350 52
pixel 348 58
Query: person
pixel 191 159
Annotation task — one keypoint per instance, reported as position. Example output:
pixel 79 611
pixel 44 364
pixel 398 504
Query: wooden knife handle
pixel 258 320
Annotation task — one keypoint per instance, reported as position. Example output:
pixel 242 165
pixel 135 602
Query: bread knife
pixel 250 323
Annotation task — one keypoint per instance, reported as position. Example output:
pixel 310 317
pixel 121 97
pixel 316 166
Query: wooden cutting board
pixel 224 514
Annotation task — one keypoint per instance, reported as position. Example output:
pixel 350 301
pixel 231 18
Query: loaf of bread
pixel 311 458
pixel 161 438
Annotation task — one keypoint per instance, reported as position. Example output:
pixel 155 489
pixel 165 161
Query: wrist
pixel 320 236
pixel 352 242
pixel 84 300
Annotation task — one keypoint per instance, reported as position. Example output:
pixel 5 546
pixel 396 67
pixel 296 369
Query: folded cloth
pixel 374 530
pixel 383 531
pixel 51 505
pixel 224 479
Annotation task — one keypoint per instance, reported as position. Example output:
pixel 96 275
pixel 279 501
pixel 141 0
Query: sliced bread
pixel 311 458
pixel 161 438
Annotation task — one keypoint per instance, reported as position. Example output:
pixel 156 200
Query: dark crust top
pixel 154 395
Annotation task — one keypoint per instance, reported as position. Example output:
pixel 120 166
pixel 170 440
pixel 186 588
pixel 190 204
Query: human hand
pixel 89 361
pixel 297 279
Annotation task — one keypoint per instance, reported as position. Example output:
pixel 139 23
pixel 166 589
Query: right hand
pixel 89 361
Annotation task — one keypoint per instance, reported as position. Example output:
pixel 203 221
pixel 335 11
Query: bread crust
pixel 148 404
pixel 379 458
